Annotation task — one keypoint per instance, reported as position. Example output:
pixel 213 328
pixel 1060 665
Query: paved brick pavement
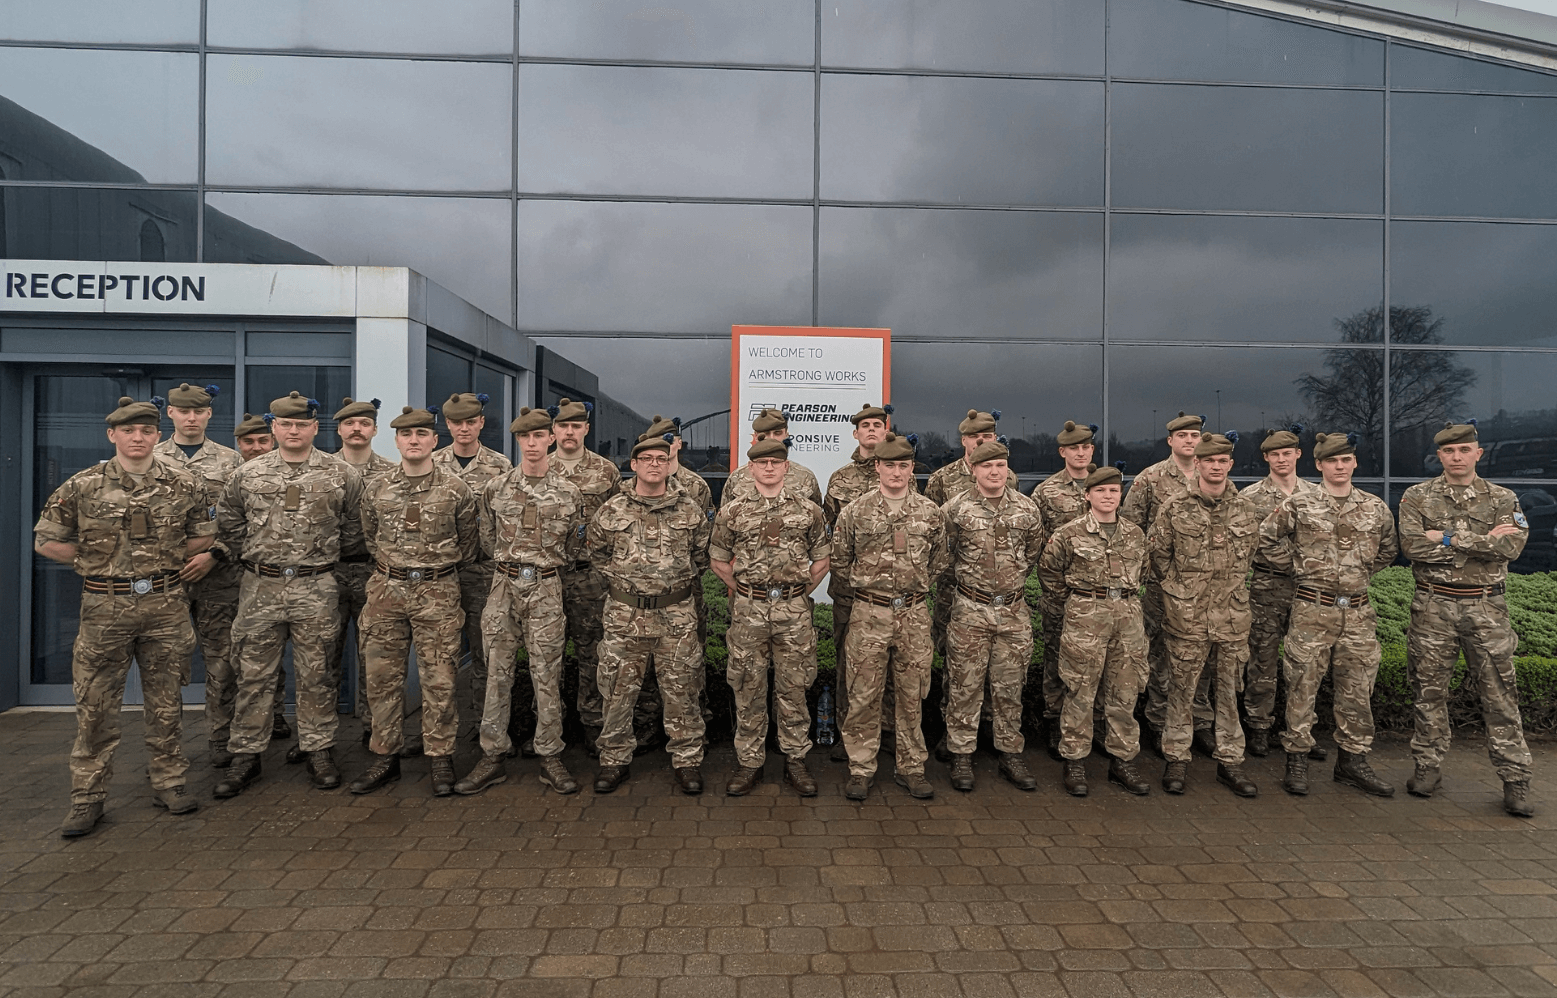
pixel 287 891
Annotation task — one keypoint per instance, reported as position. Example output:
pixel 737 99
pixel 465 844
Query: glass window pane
pixel 145 22
pixel 1454 154
pixel 1424 69
pixel 84 114
pixel 1176 40
pixel 1008 36
pixel 703 132
pixel 482 27
pixel 461 243
pixel 1489 283
pixel 75 223
pixel 1036 387
pixel 1182 277
pixel 1508 394
pixel 962 141
pixel 762 31
pixel 639 377
pixel 447 373
pixel 1257 149
pixel 392 123
pixel 264 384
pixel 499 414
pixel 1539 501
pixel 1250 390
pixel 663 267
pixel 954 274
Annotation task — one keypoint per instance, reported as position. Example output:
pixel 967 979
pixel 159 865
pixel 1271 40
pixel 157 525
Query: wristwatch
pixel 1448 535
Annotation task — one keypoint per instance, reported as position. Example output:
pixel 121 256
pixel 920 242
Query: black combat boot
pixel 245 769
pixel 442 775
pixel 1259 742
pixel 1175 777
pixel 1074 776
pixel 1014 768
pixel 1233 778
pixel 962 772
pixel 384 771
pixel 322 770
pixel 1353 770
pixel 1124 773
pixel 1296 780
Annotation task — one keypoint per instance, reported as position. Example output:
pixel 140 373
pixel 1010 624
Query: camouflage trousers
pixel 843 607
pixel 1192 660
pixel 1270 603
pixel 398 614
pixel 351 581
pixel 1160 665
pixel 583 602
pixel 154 631
pixel 1440 627
pixel 780 633
pixel 524 614
pixel 272 611
pixel 1102 648
pixel 941 600
pixel 882 641
pixel 1321 638
pixel 1052 686
pixel 475 584
pixel 214 611
pixel 632 638
pixel 990 645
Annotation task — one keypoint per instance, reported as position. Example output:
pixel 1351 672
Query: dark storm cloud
pixel 1491 284
pixel 684 378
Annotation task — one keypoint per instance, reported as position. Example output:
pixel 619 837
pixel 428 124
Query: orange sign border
pixel 738 427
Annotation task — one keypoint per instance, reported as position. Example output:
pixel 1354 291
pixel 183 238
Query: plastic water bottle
pixel 824 717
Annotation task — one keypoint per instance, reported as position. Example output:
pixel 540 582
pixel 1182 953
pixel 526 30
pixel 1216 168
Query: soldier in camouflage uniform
pixel 771 424
pixel 583 588
pixel 128 527
pixel 848 483
pixel 357 424
pixel 252 437
pixel 887 547
pixel 994 536
pixel 1460 533
pixel 531 526
pixel 1061 498
pixel 419 522
pixel 211 577
pixel 1333 540
pixel 476 464
pixel 770 547
pixel 287 515
pixel 1094 564
pixel 1270 591
pixel 1200 547
pixel 1152 488
pixel 650 542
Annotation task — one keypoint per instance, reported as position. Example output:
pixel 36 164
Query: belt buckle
pixel 1116 594
pixel 1343 601
pixel 140 587
pixel 775 594
pixel 998 601
pixel 897 602
pixel 289 572
pixel 415 575
pixel 527 573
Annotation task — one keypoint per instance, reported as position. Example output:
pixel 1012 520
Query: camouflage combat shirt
pixel 1471 511
pixel 847 484
pixel 1151 489
pixel 1060 499
pixel 650 544
pixel 127 526
pixel 993 547
pixel 1334 545
pixel 596 479
pixel 890 553
pixel 423 522
pixel 798 479
pixel 214 464
pixel 1266 496
pixel 274 514
pixel 770 540
pixel 539 523
pixel 1081 555
pixel 1201 548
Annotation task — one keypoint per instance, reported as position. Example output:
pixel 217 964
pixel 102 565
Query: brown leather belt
pixel 987 598
pixel 895 602
pixel 1462 592
pixel 525 573
pixel 162 582
pixel 1319 597
pixel 772 591
pixel 1115 593
pixel 1271 571
pixel 417 574
pixel 287 571
pixel 652 602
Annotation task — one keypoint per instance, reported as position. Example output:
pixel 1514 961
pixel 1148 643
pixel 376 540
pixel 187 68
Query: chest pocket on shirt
pixel 429 520
pixel 98 525
pixel 1090 557
pixel 1191 536
pixel 1315 526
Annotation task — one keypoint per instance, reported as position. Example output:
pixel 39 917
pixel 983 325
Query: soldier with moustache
pixel 771 424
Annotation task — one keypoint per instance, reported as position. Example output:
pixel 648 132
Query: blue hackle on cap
pixel 269 418
pixel 213 390
pixel 1296 428
pixel 1232 436
pixel 887 409
pixel 1351 439
pixel 589 407
pixel 158 401
pixel 1471 421
pixel 995 414
pixel 1120 465
pixel 434 410
pixel 676 422
pixel 789 442
pixel 313 406
pixel 669 438
pixel 1093 428
pixel 1202 420
pixel 1001 440
pixel 483 398
pixel 552 411
pixel 913 439
pixel 376 404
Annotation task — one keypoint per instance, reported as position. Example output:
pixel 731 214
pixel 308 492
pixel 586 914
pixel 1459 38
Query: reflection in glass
pixel 743 31
pixel 1248 148
pixel 1183 277
pixel 389 123
pixel 145 22
pixel 75 223
pixel 263 383
pixel 461 243
pixel 705 132
pixel 1453 154
pixel 962 141
pixel 1036 387
pixel 1508 394
pixel 1058 37
pixel 1177 40
pixel 495 385
pixel 1251 390
pixel 480 27
pixel 447 374
pixel 1422 69
pixel 1537 499
pixel 662 267
pixel 81 114
pixel 1490 283
pixel 955 274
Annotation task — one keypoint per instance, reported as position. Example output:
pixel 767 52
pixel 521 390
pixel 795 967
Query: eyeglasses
pixel 291 424
pixel 653 462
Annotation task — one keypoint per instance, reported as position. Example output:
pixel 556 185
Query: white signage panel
pixel 176 288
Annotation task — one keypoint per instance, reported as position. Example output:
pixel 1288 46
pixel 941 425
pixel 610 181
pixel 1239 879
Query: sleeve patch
pixel 1520 521
pixel 212 512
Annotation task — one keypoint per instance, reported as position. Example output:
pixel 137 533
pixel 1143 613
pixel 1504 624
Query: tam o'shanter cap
pixel 295 406
pixel 648 443
pixel 868 411
pixel 1212 444
pixel 410 418
pixel 769 448
pixel 193 396
pixel 130 412
pixel 1102 476
pixel 769 420
pixel 1277 439
pixel 1456 433
pixel 530 419
pixel 352 410
pixel 1185 421
pixel 659 427
pixel 978 422
pixel 896 448
pixel 464 405
pixel 1334 445
pixel 1076 433
pixel 569 411
pixel 250 424
pixel 989 450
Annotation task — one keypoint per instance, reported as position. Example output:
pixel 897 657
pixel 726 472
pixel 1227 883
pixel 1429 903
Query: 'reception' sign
pixel 819 376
